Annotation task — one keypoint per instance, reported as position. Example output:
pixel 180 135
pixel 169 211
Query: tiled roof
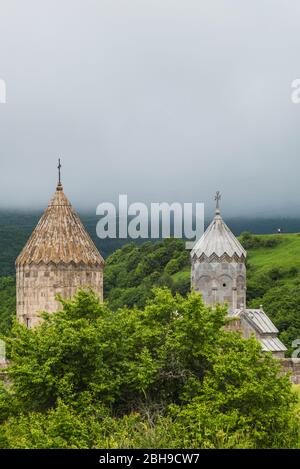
pixel 217 242
pixel 267 332
pixel 60 237
pixel 272 344
pixel 259 320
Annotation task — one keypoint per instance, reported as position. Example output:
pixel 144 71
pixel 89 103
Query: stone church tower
pixel 219 274
pixel 59 258
pixel 218 265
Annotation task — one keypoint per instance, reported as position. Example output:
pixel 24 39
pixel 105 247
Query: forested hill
pixel 273 271
pixel 16 227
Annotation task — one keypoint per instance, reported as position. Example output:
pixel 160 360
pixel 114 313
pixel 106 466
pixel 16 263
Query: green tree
pixel 7 303
pixel 172 266
pixel 131 272
pixel 282 302
pixel 168 374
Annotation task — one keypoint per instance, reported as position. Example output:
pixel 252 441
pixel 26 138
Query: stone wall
pixel 292 367
pixel 289 366
pixel 241 325
pixel 37 286
pixel 220 282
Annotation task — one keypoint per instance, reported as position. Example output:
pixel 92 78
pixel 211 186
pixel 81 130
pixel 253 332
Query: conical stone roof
pixel 60 237
pixel 218 243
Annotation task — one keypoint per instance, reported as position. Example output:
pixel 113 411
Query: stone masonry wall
pixel 220 282
pixel 292 367
pixel 37 286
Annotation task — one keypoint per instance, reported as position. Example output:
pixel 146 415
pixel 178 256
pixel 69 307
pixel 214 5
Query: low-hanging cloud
pixel 163 100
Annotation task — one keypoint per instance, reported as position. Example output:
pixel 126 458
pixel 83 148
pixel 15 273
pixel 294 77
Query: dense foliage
pixel 250 241
pixel 282 302
pixel 132 272
pixel 273 278
pixel 15 229
pixel 167 375
pixel 7 303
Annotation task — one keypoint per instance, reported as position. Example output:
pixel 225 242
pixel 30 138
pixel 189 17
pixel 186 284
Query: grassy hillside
pixel 277 260
pixel 284 255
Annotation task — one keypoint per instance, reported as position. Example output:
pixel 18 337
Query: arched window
pixel 204 283
pixel 225 282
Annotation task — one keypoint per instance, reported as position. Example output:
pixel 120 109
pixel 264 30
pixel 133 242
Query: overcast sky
pixel 163 100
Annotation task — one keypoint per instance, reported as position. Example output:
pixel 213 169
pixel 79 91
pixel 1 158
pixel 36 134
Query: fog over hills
pixel 163 101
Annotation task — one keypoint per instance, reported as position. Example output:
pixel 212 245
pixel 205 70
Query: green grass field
pixel 285 254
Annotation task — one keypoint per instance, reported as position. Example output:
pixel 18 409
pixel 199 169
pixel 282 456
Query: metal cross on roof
pixel 217 199
pixel 59 173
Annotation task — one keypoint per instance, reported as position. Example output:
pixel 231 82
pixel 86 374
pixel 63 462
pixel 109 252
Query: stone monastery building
pixel 219 274
pixel 60 258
